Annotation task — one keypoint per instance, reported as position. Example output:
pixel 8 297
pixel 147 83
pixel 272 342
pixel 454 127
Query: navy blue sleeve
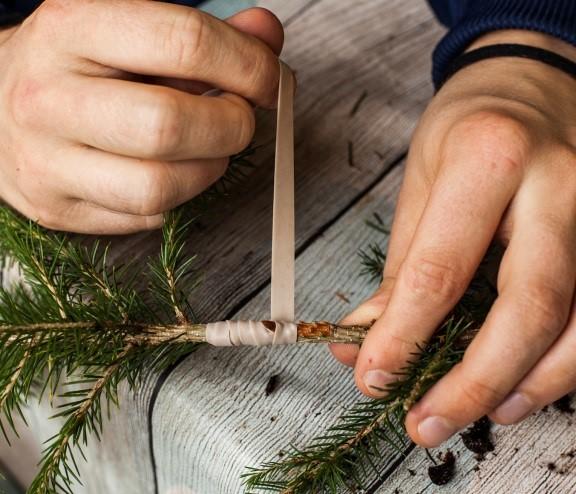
pixel 14 11
pixel 469 19
pixel 18 7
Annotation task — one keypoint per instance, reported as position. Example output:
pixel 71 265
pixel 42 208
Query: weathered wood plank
pixel 212 417
pixel 520 464
pixel 372 51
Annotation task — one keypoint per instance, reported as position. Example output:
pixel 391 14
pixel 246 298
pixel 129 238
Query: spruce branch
pixel 81 325
pixel 83 416
pixel 371 431
pixel 171 269
pixel 78 324
pixel 159 333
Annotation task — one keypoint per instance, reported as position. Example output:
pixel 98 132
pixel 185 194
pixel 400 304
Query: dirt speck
pixel 477 438
pixel 443 473
pixel 358 103
pixel 564 405
pixel 272 384
pixel 570 454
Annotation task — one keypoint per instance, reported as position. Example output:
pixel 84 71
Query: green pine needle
pixel 71 329
pixel 372 432
pixel 68 327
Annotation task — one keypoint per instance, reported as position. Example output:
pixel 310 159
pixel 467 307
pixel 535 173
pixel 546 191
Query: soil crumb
pixel 443 473
pixel 271 385
pixel 570 454
pixel 564 405
pixel 477 438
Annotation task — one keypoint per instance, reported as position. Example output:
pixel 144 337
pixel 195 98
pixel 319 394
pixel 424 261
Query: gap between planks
pixel 165 375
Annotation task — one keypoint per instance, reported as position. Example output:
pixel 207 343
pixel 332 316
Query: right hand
pixel 102 128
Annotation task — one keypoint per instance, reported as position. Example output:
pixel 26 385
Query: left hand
pixel 494 155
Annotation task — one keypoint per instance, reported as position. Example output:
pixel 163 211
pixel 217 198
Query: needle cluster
pixel 77 325
pixel 371 433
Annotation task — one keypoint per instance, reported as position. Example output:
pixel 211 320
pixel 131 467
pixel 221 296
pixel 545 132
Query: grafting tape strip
pixel 251 333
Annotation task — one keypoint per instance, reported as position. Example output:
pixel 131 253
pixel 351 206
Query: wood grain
pixel 363 80
pixel 214 404
pixel 520 464
pixel 363 75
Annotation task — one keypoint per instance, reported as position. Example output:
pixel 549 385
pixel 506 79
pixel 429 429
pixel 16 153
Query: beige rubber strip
pixel 252 333
pixel 283 222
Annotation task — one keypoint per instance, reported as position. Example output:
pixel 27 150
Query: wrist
pixel 524 37
pixel 518 85
pixel 519 78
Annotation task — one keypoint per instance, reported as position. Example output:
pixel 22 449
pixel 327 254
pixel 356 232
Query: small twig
pixel 351 162
pixel 358 103
pixel 155 334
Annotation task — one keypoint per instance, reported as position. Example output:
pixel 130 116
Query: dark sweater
pixel 466 19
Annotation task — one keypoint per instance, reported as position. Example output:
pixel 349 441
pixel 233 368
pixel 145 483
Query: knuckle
pixel 261 73
pixel 164 127
pixel 52 13
pixel 401 349
pixel 481 395
pixel 500 139
pixel 154 192
pixel 435 277
pixel 544 307
pixel 23 101
pixel 244 126
pixel 47 216
pixel 184 40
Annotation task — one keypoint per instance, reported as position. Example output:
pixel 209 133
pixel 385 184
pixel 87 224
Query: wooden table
pixel 363 71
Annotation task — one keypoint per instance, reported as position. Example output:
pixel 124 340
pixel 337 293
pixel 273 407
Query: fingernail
pixel 435 430
pixel 378 381
pixel 514 408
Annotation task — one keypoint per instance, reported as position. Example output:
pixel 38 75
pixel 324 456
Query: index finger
pixel 459 221
pixel 159 39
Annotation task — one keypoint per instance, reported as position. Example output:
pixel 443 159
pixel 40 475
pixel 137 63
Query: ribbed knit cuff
pixel 15 11
pixel 10 19
pixel 554 17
